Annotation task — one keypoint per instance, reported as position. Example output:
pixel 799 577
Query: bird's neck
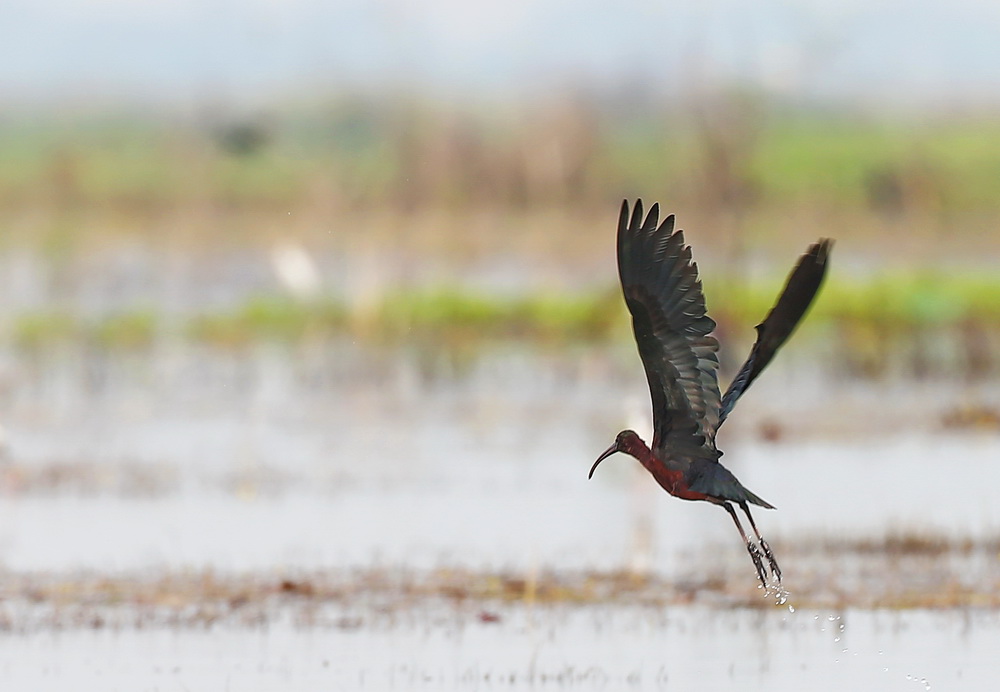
pixel 666 474
pixel 638 449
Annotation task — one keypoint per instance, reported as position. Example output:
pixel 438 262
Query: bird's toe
pixel 758 562
pixel 771 560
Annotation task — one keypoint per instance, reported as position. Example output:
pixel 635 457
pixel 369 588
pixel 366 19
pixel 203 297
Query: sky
pixel 912 53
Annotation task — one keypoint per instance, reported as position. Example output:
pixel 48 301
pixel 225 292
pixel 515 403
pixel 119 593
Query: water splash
pixel 780 595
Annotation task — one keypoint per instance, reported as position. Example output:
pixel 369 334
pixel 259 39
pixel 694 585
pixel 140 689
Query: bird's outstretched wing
pixel 664 295
pixel 795 299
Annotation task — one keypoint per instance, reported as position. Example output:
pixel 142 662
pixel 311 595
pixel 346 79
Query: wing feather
pixel 801 287
pixel 672 330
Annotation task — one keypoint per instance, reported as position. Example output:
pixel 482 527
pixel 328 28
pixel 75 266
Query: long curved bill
pixel 604 455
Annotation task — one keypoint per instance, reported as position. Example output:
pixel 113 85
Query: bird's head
pixel 627 441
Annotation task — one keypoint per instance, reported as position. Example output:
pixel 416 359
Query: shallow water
pixel 549 517
pixel 273 461
pixel 643 649
pixel 195 458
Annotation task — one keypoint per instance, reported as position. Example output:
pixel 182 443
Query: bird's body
pixel 679 354
pixel 692 477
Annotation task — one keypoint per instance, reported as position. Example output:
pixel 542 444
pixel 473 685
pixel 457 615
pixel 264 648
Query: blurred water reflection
pixel 685 648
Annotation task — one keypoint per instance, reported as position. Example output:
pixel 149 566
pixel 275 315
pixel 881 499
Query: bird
pixel 679 353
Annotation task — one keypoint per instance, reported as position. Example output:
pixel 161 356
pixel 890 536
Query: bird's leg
pixel 775 570
pixel 751 546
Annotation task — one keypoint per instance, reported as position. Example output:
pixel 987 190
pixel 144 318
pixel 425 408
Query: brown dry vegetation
pixel 896 572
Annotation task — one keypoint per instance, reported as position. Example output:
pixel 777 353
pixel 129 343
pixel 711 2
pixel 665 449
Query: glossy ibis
pixel 673 332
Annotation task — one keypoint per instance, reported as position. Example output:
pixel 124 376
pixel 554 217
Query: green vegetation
pixel 892 303
pixel 267 318
pixel 455 314
pixel 36 329
pixel 134 329
pixel 408 155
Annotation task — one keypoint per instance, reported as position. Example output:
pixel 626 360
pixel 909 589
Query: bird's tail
pixel 757 501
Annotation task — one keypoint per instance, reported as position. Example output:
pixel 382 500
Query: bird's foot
pixel 772 562
pixel 757 562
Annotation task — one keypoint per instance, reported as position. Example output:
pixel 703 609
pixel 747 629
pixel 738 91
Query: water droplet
pixel 791 609
pixel 836 639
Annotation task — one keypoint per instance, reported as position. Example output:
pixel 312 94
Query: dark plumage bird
pixel 673 332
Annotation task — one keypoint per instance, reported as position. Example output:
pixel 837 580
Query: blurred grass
pixel 356 152
pixel 267 318
pixel 454 313
pixel 896 302
pixel 132 329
